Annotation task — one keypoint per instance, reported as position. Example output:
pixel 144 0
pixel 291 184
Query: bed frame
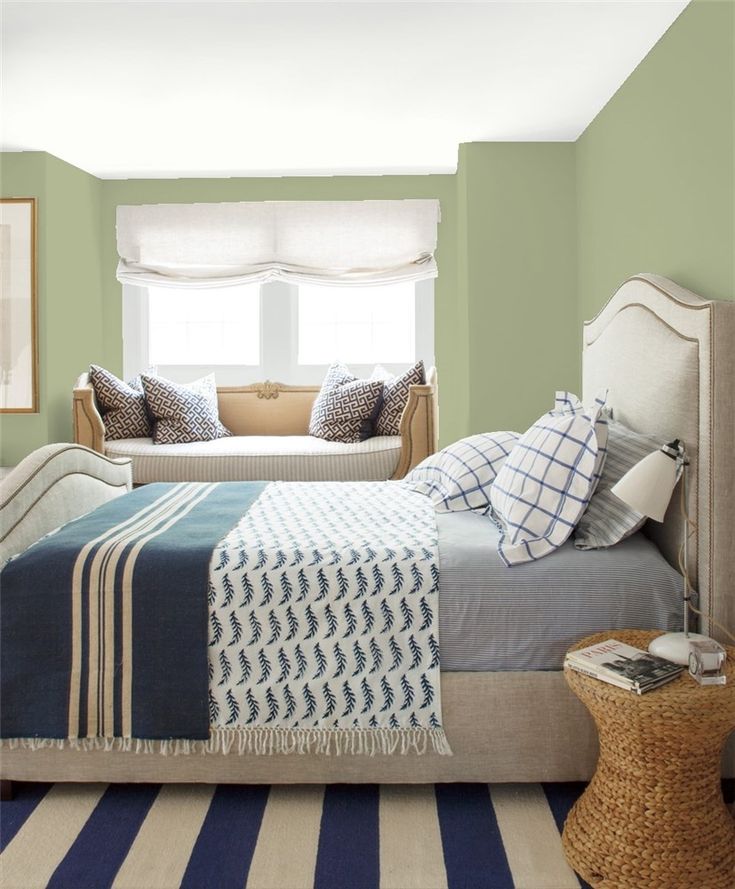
pixel 667 357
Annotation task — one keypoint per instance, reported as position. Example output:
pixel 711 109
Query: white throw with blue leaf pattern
pixel 323 614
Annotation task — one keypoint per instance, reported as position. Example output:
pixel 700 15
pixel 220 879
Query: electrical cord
pixel 690 528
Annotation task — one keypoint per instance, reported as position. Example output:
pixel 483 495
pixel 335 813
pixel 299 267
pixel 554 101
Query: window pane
pixel 218 325
pixel 361 325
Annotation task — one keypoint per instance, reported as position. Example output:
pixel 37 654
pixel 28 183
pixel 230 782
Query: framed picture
pixel 18 308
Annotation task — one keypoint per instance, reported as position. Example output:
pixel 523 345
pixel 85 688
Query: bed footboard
pixel 52 486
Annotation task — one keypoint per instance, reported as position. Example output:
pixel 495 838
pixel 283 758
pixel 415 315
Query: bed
pixel 666 355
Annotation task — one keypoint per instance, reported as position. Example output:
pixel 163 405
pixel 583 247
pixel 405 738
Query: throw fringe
pixel 263 742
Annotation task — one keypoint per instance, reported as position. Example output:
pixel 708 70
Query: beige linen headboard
pixel 668 359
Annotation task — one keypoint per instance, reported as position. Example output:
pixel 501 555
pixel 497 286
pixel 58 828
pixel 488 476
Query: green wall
pixel 23 175
pixel 69 306
pixel 518 203
pixel 534 237
pixel 655 169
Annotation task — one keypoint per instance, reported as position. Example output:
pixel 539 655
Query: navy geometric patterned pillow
pixel 395 398
pixel 122 405
pixel 346 407
pixel 183 413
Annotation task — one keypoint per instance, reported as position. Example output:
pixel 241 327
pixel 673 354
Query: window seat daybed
pixel 269 422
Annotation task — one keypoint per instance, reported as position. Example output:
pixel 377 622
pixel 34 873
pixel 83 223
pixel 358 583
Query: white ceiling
pixel 274 88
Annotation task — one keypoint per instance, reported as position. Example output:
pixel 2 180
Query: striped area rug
pixel 138 836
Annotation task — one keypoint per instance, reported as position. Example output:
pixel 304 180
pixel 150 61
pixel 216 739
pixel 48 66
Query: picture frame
pixel 18 307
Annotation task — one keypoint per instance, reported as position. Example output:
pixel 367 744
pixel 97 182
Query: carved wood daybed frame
pixel 277 409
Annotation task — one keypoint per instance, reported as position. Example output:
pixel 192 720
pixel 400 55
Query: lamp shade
pixel 647 487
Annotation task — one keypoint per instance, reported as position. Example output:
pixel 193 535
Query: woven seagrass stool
pixel 653 816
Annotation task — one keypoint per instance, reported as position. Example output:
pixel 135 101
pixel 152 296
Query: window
pixel 276 331
pixel 204 327
pixel 358 325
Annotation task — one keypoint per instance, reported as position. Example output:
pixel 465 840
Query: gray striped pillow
pixel 607 520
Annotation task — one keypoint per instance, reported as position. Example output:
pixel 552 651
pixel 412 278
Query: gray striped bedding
pixel 525 617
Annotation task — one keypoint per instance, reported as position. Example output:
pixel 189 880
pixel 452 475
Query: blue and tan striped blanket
pixel 103 624
pixel 285 617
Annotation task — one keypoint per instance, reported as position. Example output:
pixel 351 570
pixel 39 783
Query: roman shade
pixel 321 242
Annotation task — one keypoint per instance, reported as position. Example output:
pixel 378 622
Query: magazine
pixel 623 665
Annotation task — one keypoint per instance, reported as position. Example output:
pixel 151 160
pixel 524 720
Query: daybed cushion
pixel 260 457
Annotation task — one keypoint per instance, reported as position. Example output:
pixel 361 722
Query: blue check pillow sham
pixel 566 402
pixel 459 476
pixel 548 479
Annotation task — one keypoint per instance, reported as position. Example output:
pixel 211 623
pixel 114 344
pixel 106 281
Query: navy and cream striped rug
pixel 444 836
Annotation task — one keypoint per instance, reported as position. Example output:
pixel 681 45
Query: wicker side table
pixel 653 816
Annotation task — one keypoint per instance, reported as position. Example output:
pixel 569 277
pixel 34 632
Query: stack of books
pixel 623 665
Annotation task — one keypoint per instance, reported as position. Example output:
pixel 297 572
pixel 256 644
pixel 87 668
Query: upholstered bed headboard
pixel 668 358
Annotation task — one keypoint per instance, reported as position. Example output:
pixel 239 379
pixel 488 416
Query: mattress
pixel 260 458
pixel 526 617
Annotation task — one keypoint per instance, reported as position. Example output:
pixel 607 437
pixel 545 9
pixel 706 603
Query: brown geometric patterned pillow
pixel 183 413
pixel 122 405
pixel 395 398
pixel 346 407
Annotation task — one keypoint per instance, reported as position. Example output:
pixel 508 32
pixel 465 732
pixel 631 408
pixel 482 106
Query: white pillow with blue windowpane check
pixel 565 402
pixel 547 481
pixel 459 476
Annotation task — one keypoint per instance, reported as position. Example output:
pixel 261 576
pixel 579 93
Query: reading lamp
pixel 647 488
